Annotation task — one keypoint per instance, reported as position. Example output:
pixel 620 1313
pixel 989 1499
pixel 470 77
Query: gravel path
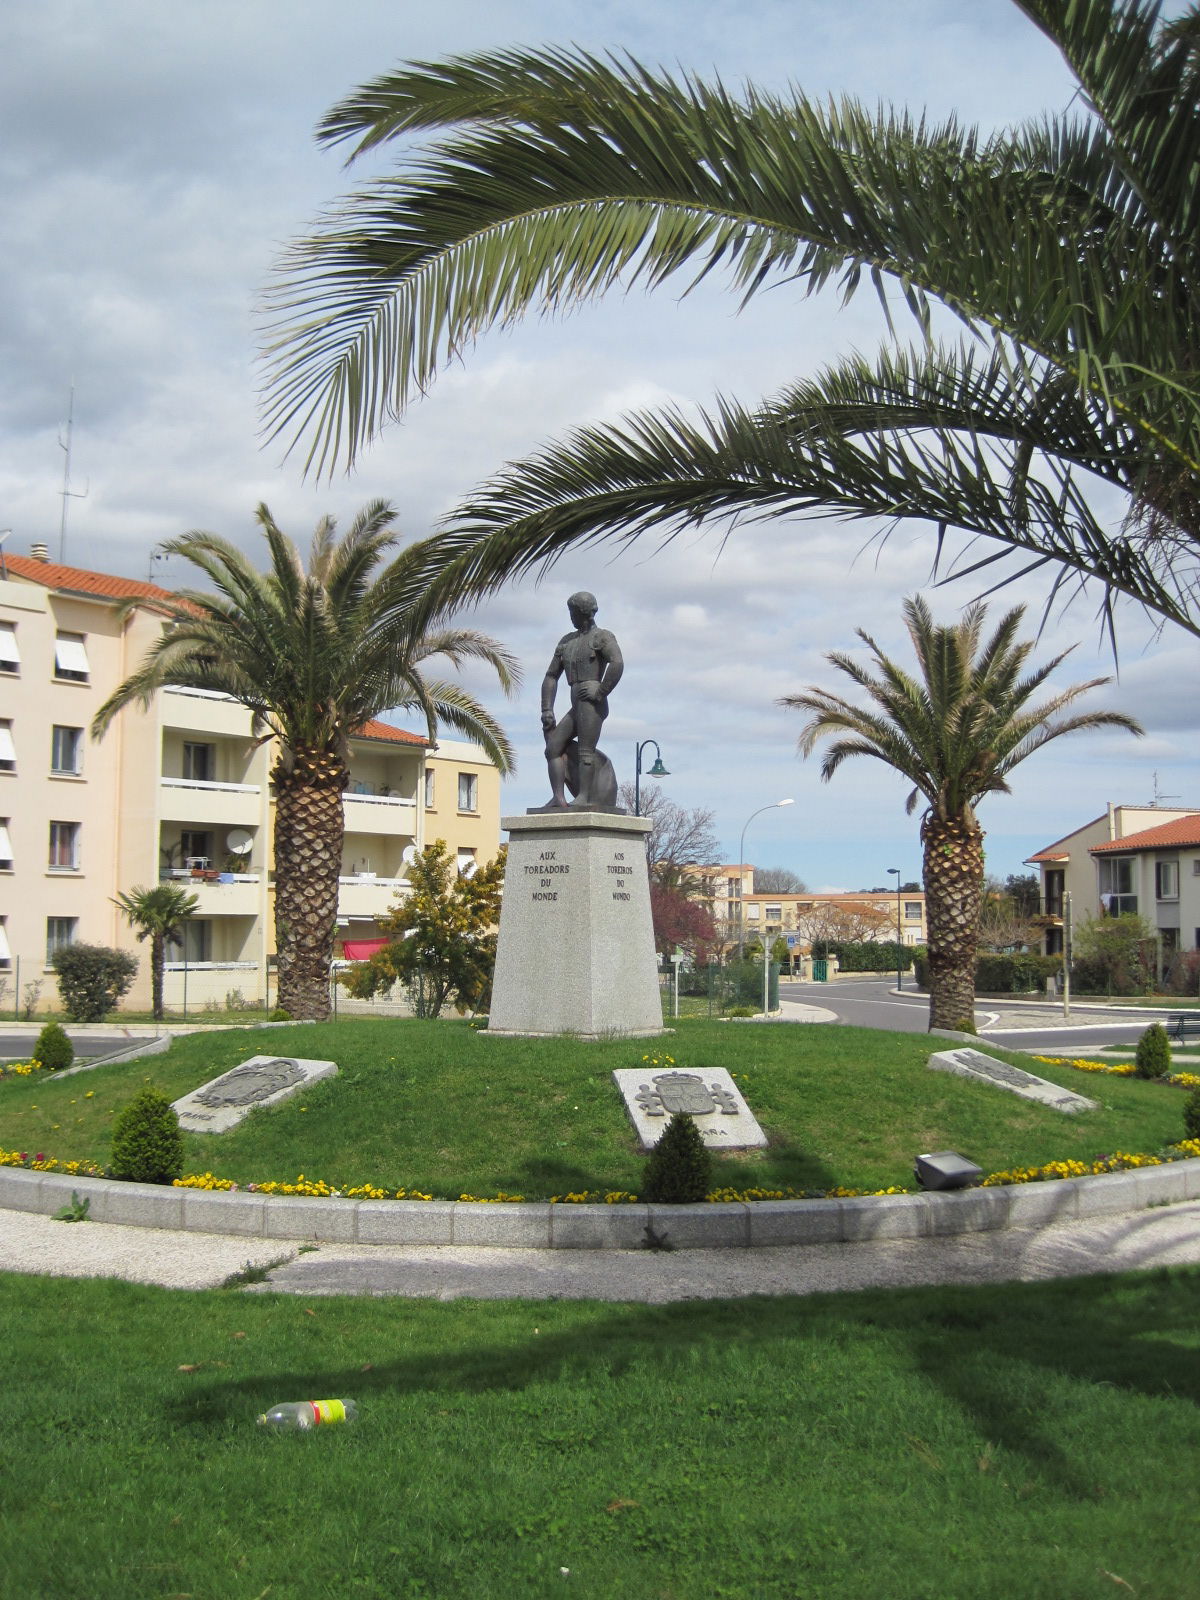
pixel 1163 1236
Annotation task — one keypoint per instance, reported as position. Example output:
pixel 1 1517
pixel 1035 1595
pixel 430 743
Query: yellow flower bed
pixel 1121 1069
pixel 21 1069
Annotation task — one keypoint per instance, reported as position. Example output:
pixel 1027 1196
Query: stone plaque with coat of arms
pixel 707 1094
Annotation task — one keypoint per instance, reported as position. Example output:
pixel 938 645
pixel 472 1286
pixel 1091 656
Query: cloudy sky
pixel 155 159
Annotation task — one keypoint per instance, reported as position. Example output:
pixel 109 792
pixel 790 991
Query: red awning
pixel 362 949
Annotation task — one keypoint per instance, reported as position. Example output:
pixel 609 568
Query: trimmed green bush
pixel 866 955
pixel 147 1146
pixel 91 979
pixel 1153 1058
pixel 53 1049
pixel 1024 973
pixel 1191 1114
pixel 280 1014
pixel 679 1168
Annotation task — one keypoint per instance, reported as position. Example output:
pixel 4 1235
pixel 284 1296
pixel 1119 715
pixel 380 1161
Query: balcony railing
pixel 211 787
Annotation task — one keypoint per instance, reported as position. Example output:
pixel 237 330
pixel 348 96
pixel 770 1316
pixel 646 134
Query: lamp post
pixel 656 771
pixel 775 804
pixel 899 930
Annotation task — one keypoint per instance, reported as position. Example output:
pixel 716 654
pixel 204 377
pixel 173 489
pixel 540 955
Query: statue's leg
pixel 588 722
pixel 557 741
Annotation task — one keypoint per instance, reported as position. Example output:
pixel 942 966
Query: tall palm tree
pixel 157 914
pixel 314 651
pixel 955 730
pixel 1069 249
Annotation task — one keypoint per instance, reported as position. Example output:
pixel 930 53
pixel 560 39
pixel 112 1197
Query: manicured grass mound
pixel 439 1108
pixel 1025 1440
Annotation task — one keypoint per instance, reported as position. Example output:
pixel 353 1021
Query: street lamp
pixel 656 771
pixel 775 804
pixel 899 929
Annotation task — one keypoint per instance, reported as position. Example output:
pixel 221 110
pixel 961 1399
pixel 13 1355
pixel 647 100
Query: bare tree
pixel 778 880
pixel 836 923
pixel 679 842
pixel 1006 919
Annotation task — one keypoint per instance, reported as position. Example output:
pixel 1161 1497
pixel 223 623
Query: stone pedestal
pixel 576 944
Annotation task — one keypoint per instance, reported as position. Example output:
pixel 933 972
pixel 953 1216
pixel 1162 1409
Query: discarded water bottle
pixel 308 1413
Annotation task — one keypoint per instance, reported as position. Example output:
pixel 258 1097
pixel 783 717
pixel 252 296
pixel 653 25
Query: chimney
pixel 39 552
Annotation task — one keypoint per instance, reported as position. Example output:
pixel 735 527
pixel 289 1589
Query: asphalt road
pixel 16 1046
pixel 1021 1025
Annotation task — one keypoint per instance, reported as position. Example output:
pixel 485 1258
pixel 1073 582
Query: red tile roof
pixel 77 580
pixel 389 735
pixel 1168 836
pixel 1050 853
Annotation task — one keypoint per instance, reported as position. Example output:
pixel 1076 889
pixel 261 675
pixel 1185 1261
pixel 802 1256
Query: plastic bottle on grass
pixel 303 1414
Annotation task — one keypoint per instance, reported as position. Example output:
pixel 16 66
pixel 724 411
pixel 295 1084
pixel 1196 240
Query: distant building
pixel 803 917
pixel 1143 859
pixel 181 793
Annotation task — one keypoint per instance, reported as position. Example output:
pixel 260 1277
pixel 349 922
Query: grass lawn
pixel 440 1108
pixel 1035 1441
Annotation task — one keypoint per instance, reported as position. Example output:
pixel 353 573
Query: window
pixel 468 791
pixel 60 932
pixel 1055 886
pixel 199 763
pixel 733 887
pixel 1116 886
pixel 64 846
pixel 197 940
pixel 195 846
pixel 1166 880
pixel 66 751
pixel 70 658
pixel 10 656
pixel 1196 867
pixel 912 911
pixel 6 855
pixel 466 863
pixel 5 952
pixel 8 751
pixel 774 913
pixel 430 791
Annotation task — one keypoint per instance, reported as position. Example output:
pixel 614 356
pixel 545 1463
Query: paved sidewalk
pixel 1164 1236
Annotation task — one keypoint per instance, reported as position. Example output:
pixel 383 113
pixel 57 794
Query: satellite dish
pixel 410 855
pixel 239 842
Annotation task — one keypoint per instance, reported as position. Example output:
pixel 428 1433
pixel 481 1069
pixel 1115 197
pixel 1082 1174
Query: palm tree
pixel 158 914
pixel 1069 250
pixel 955 731
pixel 314 652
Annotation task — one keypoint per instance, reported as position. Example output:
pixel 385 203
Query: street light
pixel 899 929
pixel 775 804
pixel 656 771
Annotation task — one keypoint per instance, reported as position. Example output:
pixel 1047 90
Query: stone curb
pixel 543 1226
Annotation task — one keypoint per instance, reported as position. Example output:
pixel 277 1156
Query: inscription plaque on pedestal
pixel 575 952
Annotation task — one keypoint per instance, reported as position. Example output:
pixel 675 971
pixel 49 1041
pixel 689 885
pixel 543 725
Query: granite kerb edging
pixel 543 1226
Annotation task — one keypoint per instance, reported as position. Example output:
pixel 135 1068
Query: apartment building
pixel 179 792
pixel 802 918
pixel 1143 859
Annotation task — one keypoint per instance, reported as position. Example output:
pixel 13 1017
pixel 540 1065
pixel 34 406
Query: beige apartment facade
pixel 802 918
pixel 179 792
pixel 1143 859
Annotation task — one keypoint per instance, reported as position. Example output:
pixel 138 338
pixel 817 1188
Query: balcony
pixel 189 800
pixel 228 894
pixel 380 813
pixel 365 895
pixel 204 711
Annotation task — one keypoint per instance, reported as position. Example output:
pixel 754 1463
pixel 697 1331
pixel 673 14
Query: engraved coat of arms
pixel 245 1085
pixel 672 1092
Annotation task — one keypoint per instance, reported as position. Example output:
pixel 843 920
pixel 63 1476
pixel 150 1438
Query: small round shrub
pixel 147 1146
pixel 53 1049
pixel 1153 1059
pixel 740 1011
pixel 1191 1114
pixel 679 1168
pixel 281 1014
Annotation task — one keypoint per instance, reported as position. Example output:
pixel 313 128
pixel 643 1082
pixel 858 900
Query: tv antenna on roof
pixel 1159 796
pixel 66 491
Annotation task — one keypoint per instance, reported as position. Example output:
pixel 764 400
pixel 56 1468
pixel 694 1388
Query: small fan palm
pixel 157 914
pixel 1069 250
pixel 956 729
pixel 314 651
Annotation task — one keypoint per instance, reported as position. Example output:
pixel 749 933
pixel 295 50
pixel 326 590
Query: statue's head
pixel 582 607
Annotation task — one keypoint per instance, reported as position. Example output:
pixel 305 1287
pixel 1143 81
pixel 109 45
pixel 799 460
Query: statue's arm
pixel 614 665
pixel 550 688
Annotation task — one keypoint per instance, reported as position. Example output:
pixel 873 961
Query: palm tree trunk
pixel 953 892
pixel 309 828
pixel 158 954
